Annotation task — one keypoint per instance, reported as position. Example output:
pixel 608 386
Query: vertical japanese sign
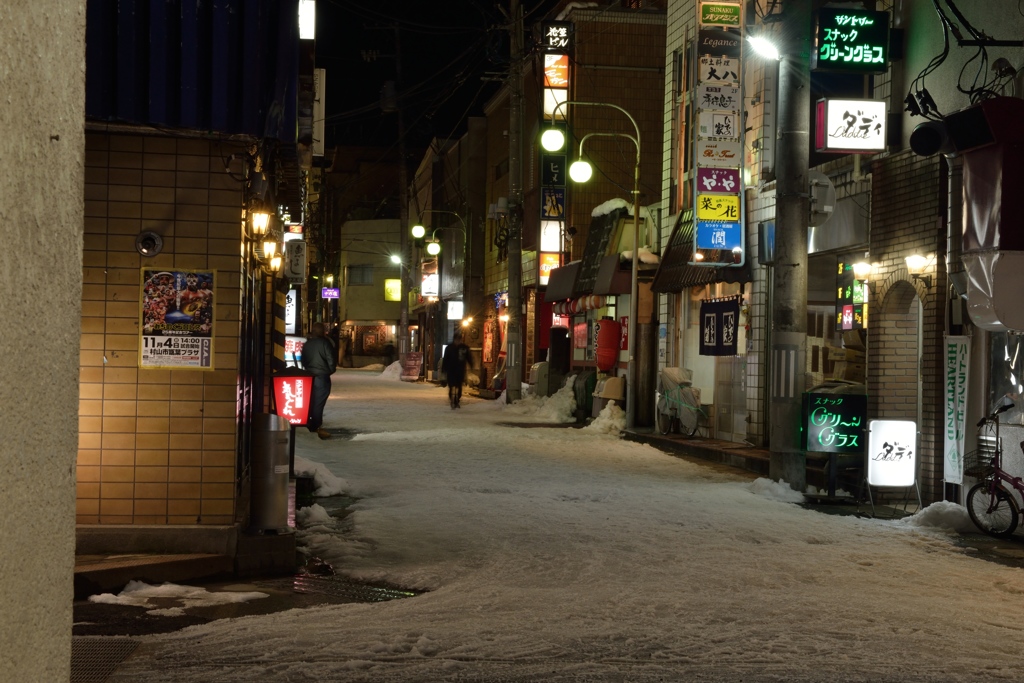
pixel 958 353
pixel 176 319
pixel 719 237
pixel 557 44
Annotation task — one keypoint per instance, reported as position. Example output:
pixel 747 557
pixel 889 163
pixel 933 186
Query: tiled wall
pixel 156 446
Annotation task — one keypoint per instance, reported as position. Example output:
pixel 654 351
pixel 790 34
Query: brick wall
pixel 156 446
pixel 908 206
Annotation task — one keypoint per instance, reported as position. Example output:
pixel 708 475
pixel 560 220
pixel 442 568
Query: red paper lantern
pixel 609 335
pixel 293 390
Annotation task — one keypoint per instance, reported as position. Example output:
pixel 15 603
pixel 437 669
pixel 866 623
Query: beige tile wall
pixel 156 446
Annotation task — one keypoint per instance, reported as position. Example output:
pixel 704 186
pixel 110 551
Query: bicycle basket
pixel 979 463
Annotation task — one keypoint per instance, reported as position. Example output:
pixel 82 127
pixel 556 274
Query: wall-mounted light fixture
pixel 274 264
pixel 260 222
pixel 269 248
pixel 862 271
pixel 916 265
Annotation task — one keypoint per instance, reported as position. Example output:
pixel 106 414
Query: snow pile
pixel 560 407
pixel 775 490
pixel 327 483
pixel 609 206
pixel 312 516
pixel 941 515
pixel 393 372
pixel 372 367
pixel 139 594
pixel 645 255
pixel 611 420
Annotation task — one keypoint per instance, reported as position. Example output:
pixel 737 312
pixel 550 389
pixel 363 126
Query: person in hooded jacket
pixel 453 364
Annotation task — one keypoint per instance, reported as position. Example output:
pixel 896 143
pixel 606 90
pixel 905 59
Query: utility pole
pixel 513 367
pixel 792 212
pixel 405 268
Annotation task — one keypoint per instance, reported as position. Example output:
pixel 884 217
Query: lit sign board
pixel 556 71
pixel 430 285
pixel 718 180
pixel 392 289
pixel 850 126
pixel 719 153
pixel 330 293
pixel 718 207
pixel 719 235
pixel 551 236
pixel 455 310
pixel 892 453
pixel 719 14
pixel 835 423
pixel 851 40
pixel 851 300
pixel 548 262
pixel 292 391
pixel 718 124
pixel 291 307
pixel 557 35
pixel 726 97
pixel 719 42
pixel 293 350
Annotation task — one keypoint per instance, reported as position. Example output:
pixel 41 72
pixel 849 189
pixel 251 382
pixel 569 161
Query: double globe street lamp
pixel 553 140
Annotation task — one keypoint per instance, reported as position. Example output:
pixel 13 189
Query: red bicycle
pixel 992 506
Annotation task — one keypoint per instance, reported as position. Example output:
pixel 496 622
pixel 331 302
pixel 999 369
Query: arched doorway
pixel 897 347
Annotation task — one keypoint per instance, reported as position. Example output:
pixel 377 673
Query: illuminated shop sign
pixel 850 126
pixel 851 40
pixel 719 235
pixel 330 293
pixel 557 35
pixel 292 391
pixel 548 262
pixel 892 453
pixel 851 300
pixel 719 14
pixel 835 423
pixel 392 289
pixel 556 71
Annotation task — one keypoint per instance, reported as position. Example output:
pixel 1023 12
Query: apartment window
pixel 360 275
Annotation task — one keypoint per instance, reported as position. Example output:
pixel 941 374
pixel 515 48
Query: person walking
pixel 319 358
pixel 453 364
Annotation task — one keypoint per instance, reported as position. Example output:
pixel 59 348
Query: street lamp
pixel 419 231
pixel 581 171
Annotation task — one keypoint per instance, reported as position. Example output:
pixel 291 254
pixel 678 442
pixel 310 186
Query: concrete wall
pixel 42 48
pixel 157 446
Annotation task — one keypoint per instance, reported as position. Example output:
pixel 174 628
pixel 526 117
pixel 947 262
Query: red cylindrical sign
pixel 292 392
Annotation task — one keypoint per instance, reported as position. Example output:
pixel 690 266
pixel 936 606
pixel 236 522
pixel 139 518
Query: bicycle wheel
pixel 664 422
pixel 688 421
pixel 993 511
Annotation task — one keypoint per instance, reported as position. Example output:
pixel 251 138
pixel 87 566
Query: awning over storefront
pixel 561 282
pixel 613 276
pixel 676 274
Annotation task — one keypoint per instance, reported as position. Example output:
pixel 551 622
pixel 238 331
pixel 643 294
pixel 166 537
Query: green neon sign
pixel 851 41
pixel 835 423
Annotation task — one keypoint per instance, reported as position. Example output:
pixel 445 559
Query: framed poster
pixel 176 312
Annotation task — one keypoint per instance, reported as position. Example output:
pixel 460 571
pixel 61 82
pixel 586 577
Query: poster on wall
pixel 176 319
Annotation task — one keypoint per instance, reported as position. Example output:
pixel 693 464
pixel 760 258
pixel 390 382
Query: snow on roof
pixel 609 206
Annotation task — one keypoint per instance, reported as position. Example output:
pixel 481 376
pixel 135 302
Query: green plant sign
pixel 851 40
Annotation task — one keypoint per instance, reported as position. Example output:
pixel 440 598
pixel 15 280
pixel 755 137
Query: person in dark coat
pixel 453 364
pixel 318 357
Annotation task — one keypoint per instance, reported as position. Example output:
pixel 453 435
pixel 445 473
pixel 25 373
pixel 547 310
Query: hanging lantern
pixel 293 389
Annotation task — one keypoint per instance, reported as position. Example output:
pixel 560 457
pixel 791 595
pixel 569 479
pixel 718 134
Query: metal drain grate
pixel 94 658
pixel 340 587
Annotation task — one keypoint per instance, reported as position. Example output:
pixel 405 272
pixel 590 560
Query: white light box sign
pixel 853 126
pixel 892 452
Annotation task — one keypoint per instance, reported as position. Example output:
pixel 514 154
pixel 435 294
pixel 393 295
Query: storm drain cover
pixel 94 658
pixel 344 589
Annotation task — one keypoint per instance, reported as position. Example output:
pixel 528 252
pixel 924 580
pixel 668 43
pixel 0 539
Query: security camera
pixel 149 243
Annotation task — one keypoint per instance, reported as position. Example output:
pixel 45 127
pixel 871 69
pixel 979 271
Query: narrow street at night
pixel 566 554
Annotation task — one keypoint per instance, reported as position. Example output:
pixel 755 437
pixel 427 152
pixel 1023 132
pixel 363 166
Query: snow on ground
pixel 556 554
pixel 139 594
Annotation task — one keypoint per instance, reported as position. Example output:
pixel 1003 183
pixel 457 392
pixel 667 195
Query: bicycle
pixel 992 507
pixel 677 405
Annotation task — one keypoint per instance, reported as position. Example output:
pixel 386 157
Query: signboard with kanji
pixel 719 14
pixel 719 235
pixel 851 300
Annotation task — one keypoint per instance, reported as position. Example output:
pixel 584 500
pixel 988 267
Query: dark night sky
pixel 446 49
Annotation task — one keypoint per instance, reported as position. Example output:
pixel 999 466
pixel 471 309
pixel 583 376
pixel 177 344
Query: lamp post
pixel 554 140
